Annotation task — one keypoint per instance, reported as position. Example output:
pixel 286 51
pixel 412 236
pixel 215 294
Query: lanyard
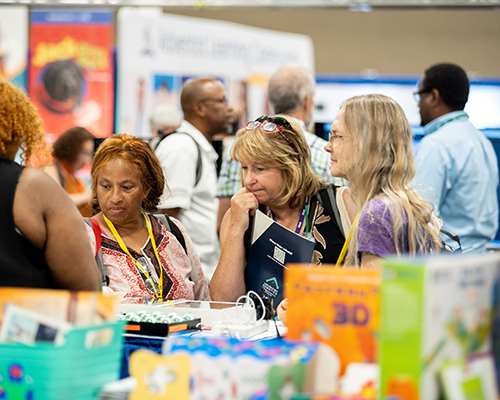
pixel 448 121
pixel 346 243
pixel 302 216
pixel 138 264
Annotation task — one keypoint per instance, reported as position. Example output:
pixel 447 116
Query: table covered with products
pixel 419 328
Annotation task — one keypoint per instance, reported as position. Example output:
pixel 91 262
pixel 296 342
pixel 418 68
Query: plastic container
pixel 90 358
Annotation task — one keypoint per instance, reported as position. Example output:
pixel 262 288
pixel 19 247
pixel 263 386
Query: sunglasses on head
pixel 270 124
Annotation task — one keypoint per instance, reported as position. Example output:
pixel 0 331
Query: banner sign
pixel 14 44
pixel 156 54
pixel 71 70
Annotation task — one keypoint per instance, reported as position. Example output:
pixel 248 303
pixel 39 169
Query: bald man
pixel 190 199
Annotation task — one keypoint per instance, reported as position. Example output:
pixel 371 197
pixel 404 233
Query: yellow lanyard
pixel 138 264
pixel 346 243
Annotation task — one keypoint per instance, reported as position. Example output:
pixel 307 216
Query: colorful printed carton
pixel 79 308
pixel 197 368
pixel 433 311
pixel 336 306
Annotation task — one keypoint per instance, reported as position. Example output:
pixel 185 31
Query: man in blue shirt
pixel 457 167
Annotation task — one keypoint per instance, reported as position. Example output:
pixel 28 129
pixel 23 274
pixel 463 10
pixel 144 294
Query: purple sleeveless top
pixel 376 230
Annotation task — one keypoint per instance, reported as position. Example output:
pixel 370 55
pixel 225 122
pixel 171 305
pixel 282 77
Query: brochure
pixel 273 246
pixel 26 326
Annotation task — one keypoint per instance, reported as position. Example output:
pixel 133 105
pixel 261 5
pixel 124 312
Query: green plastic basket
pixel 90 358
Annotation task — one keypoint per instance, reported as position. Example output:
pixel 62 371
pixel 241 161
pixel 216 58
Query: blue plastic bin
pixel 90 358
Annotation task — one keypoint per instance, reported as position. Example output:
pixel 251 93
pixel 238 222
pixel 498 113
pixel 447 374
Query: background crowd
pixel 166 224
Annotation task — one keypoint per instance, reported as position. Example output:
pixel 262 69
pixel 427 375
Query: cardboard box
pixel 336 306
pixel 433 311
pixel 197 368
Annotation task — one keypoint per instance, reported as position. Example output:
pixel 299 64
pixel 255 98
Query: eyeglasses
pixel 221 101
pixel 272 125
pixel 332 137
pixel 416 95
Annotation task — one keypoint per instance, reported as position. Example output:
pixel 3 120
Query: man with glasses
pixel 291 92
pixel 189 159
pixel 457 167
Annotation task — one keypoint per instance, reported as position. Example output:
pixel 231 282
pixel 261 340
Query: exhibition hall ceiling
pixel 354 5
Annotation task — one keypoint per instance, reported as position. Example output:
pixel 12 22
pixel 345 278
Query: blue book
pixel 273 246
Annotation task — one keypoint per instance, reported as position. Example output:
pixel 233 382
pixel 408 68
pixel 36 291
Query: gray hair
pixel 165 115
pixel 288 88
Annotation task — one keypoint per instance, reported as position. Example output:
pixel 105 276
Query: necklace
pixel 137 263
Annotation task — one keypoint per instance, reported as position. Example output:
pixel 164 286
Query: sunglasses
pixel 269 124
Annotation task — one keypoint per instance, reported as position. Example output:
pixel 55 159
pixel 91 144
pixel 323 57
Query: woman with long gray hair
pixel 371 146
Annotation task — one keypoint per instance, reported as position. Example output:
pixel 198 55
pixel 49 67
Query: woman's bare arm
pixel 47 217
pixel 369 260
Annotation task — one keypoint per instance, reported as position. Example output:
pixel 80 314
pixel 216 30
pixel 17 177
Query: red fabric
pixel 97 232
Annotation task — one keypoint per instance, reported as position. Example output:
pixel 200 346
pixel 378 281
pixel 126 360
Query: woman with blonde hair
pixel 277 176
pixel 371 146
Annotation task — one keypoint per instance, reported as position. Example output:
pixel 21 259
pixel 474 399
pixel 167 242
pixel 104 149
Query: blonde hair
pixel 20 124
pixel 138 153
pixel 272 149
pixel 383 140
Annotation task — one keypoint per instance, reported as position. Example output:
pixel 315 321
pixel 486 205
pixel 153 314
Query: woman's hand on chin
pixel 242 203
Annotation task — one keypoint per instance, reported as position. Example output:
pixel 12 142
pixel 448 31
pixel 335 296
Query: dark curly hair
pixel 139 154
pixel 69 145
pixel 20 124
pixel 452 83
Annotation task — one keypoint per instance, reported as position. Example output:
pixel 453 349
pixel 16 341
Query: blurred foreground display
pixel 437 318
pixel 424 328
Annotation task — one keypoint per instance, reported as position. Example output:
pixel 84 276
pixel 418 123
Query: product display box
pixel 436 311
pixel 341 308
pixel 197 368
pixel 160 329
pixel 208 311
pixel 78 308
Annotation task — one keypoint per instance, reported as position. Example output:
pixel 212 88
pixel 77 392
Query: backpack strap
pixel 97 232
pixel 170 226
pixel 247 238
pixel 98 254
pixel 328 199
pixel 198 160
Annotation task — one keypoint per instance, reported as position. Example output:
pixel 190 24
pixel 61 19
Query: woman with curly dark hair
pixel 42 236
pixel 142 257
pixel 71 152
